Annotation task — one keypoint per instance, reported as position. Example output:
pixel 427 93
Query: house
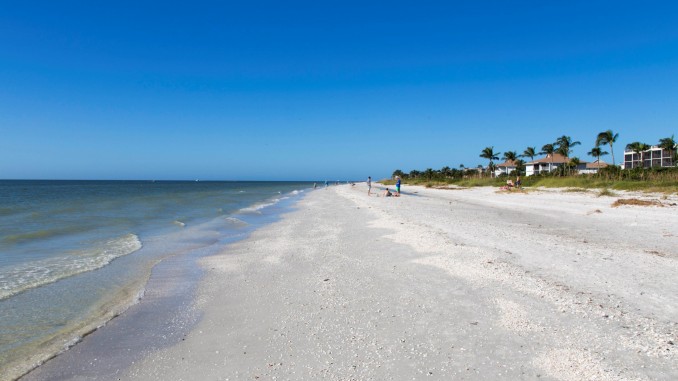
pixel 653 157
pixel 585 168
pixel 504 168
pixel 546 164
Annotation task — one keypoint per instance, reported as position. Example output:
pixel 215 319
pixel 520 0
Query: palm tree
pixel 414 174
pixel 429 173
pixel 489 154
pixel 548 150
pixel 639 149
pixel 520 166
pixel 446 171
pixel 607 137
pixel 530 152
pixel 669 144
pixel 398 173
pixel 573 163
pixel 597 152
pixel 565 145
pixel 510 156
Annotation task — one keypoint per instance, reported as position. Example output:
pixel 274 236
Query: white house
pixel 504 168
pixel 654 157
pixel 546 164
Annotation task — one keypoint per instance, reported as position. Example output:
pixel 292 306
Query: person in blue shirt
pixel 398 185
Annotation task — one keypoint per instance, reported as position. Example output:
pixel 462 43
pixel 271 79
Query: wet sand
pixel 468 284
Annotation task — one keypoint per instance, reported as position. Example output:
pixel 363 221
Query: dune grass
pixel 650 182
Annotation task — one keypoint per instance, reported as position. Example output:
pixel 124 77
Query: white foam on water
pixel 256 208
pixel 22 277
pixel 179 223
pixel 235 221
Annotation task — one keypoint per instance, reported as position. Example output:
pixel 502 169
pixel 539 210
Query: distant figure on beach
pixel 398 185
pixel 387 193
pixel 326 184
pixel 315 185
pixel 369 185
pixel 509 183
pixel 518 182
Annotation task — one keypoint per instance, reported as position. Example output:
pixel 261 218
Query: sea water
pixel 74 254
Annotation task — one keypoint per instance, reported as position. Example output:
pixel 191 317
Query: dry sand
pixel 440 284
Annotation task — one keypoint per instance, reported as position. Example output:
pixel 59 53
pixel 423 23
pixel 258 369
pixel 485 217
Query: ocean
pixel 74 254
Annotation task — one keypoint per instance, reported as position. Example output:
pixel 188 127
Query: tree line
pixel 562 145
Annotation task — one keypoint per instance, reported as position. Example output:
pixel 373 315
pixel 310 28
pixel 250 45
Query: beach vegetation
pixel 548 150
pixel 564 145
pixel 669 144
pixel 511 156
pixel 639 149
pixel 489 154
pixel 530 152
pixel 607 137
pixel 597 152
pixel 607 180
pixel 606 193
pixel 637 202
pixel 638 177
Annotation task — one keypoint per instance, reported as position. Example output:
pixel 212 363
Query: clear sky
pixel 315 90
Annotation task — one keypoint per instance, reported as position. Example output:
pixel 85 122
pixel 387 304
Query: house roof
pixel 507 163
pixel 557 159
pixel 596 164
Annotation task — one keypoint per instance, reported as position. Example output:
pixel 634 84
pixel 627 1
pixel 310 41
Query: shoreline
pixel 469 284
pixel 168 286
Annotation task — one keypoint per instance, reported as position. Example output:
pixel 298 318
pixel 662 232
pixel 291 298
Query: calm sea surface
pixel 73 254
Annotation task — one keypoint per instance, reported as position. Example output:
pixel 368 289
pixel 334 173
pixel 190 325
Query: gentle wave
pixel 256 208
pixel 236 221
pixel 22 277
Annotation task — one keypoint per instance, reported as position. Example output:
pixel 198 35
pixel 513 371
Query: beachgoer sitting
pixel 387 193
pixel 509 183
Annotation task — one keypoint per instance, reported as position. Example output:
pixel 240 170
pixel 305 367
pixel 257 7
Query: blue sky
pixel 316 90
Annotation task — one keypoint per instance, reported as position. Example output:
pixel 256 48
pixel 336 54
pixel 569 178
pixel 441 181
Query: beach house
pixel 585 168
pixel 546 164
pixel 504 168
pixel 653 157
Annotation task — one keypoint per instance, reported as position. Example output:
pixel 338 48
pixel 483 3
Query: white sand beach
pixel 444 284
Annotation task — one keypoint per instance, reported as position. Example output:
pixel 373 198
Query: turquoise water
pixel 74 254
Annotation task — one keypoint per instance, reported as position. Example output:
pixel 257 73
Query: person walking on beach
pixel 398 185
pixel 369 185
